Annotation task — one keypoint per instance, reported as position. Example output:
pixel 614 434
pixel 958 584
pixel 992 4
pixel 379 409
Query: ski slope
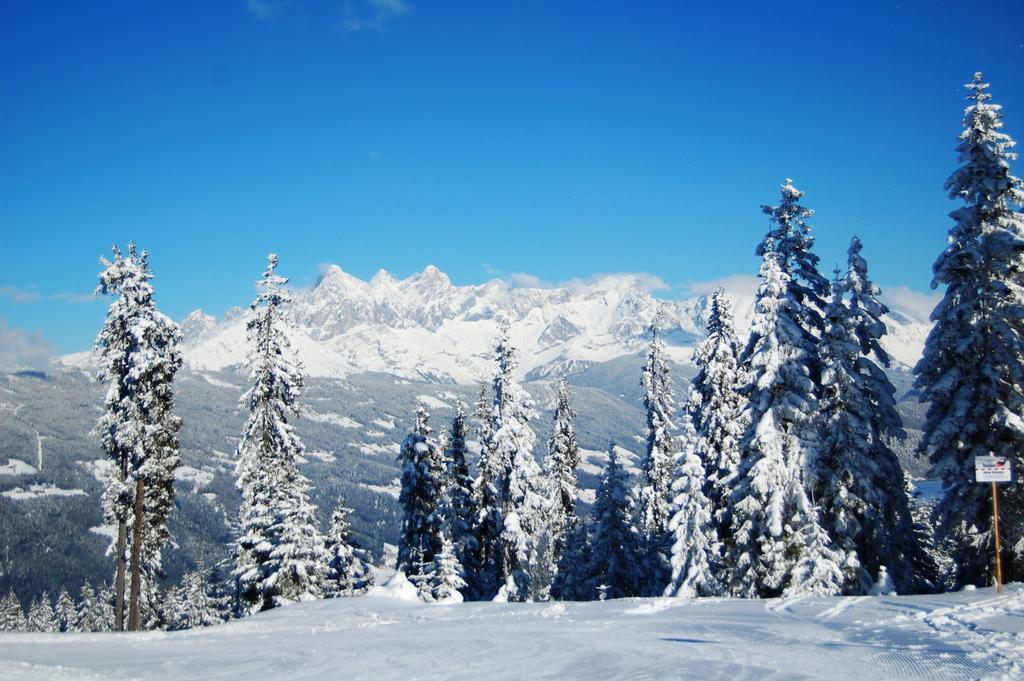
pixel 965 635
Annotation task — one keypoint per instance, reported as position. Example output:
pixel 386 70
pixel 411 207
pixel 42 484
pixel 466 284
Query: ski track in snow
pixel 963 635
pixel 961 624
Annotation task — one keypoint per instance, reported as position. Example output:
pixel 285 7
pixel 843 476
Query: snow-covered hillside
pixel 425 328
pixel 965 635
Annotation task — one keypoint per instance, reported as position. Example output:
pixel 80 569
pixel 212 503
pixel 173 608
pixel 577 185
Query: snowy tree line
pixel 776 476
pixel 202 599
pixel 783 480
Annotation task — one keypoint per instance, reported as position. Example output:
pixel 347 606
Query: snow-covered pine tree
pixel 789 239
pixel 12 617
pixel 657 466
pixel 696 550
pixel 572 581
pixel 460 498
pixel 768 504
pixel 446 582
pixel 104 605
pixel 89 615
pixel 41 617
pixel 484 581
pixel 423 479
pixel 715 409
pixel 863 512
pixel 972 370
pixel 280 554
pixel 844 474
pixel 193 607
pixel 563 458
pixel 819 569
pixel 616 568
pixel 221 595
pixel 138 358
pixel 518 482
pixel 65 611
pixel 890 517
pixel 347 574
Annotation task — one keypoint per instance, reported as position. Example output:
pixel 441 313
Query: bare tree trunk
pixel 119 562
pixel 136 567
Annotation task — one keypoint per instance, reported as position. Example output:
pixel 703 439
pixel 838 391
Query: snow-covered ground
pixel 971 634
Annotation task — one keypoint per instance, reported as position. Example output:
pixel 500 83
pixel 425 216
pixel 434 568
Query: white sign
pixel 992 469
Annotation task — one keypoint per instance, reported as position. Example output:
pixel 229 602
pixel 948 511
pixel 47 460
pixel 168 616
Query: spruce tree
pixel 572 581
pixel 446 577
pixel 972 371
pixel 769 506
pixel 422 480
pixel 12 617
pixel 695 547
pixel 280 552
pixel 520 488
pixel 41 617
pixel 66 612
pixel 89 612
pixel 193 606
pixel 789 240
pixel 460 499
pixel 716 407
pixel 221 594
pixel 563 458
pixel 485 580
pixel 864 513
pixel 843 472
pixel 347 573
pixel 818 570
pixel 138 359
pixel 616 569
pixel 658 463
pixel 104 605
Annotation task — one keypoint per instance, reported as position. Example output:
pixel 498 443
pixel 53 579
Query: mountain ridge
pixel 424 327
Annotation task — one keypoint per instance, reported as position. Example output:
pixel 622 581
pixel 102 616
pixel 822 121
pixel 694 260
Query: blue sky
pixel 557 139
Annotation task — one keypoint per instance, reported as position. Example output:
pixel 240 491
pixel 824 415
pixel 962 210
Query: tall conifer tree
pixel 972 371
pixel 462 505
pixel 657 466
pixel 281 556
pixel 516 478
pixel 716 408
pixel 772 518
pixel 423 480
pixel 138 358
pixel 563 458
pixel 695 547
pixel 616 567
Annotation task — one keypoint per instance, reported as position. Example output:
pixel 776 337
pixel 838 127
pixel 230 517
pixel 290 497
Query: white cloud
pixel 646 281
pixel 524 280
pixel 372 15
pixel 30 296
pixel 736 284
pixel 73 298
pixel 20 349
pixel 20 296
pixel 914 304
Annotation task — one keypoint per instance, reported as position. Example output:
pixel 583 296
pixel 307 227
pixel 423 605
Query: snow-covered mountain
pixel 425 328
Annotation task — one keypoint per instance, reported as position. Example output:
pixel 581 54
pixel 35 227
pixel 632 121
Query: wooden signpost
pixel 994 469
